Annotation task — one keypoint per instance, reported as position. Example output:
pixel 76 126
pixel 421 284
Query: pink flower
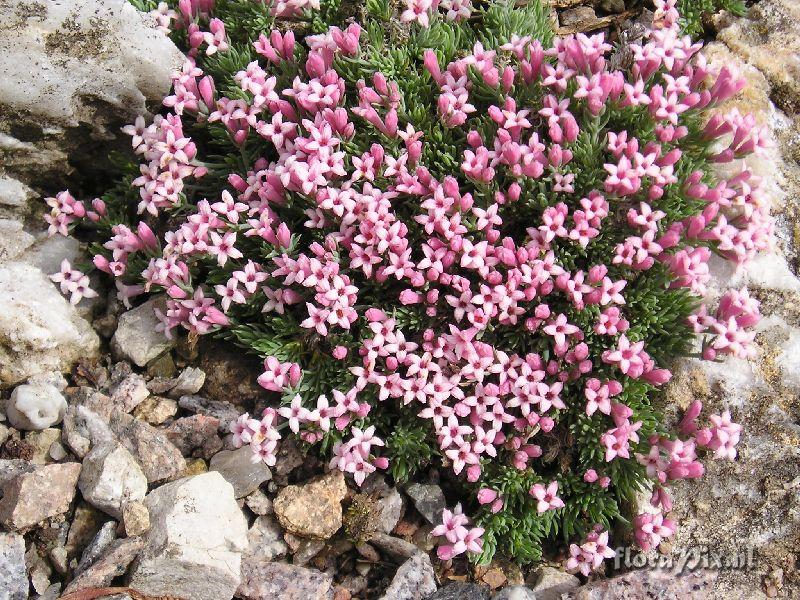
pixel 546 496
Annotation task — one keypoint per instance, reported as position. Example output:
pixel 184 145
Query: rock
pixel 136 338
pixel 85 524
pixel 495 578
pixel 238 468
pixel 196 537
pixel 48 252
pixel 461 590
pixel 135 518
pixel 10 468
pixel 390 506
pixel 110 478
pixel 259 503
pixel 128 393
pixel 516 592
pixel 222 410
pixel 84 428
pixel 195 467
pixel 14 197
pixel 396 547
pixel 13 581
pixel 59 559
pixel 613 6
pixel 312 510
pixel 428 499
pixel 156 410
pixel 113 563
pixel 551 583
pixel 651 584
pixel 31 497
pixel 578 17
pixel 39 330
pixel 263 580
pixel 230 374
pixel 188 382
pixel 304 549
pixel 42 441
pixel 95 63
pixel 368 553
pixel 159 458
pixel 35 407
pixel 265 540
pixel 92 399
pixel 101 542
pixel 14 240
pixel 414 580
pixel 162 368
pixel 196 436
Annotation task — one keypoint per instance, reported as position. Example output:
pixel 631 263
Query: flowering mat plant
pixel 455 241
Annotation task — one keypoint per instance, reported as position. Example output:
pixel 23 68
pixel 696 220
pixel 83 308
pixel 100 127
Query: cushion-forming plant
pixel 454 241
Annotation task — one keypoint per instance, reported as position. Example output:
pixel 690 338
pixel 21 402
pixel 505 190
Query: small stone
pixel 35 406
pixel 10 468
pixel 390 504
pixel 136 338
pixel 196 466
pixel 13 581
pixel 83 428
pixel 159 458
pixel 135 518
pixel 239 469
pixel 162 367
pixel 85 524
pixel 196 538
pixel 41 441
pixel 265 541
pixel 394 546
pixel 312 510
pixel 613 6
pixel 29 498
pixel 494 578
pixel 414 580
pixel 263 580
pixel 188 382
pixel 57 451
pixel 101 541
pixel 92 399
pixel 551 583
pixel 341 593
pixel 306 550
pixel 59 559
pixel 460 590
pixel 368 552
pixel 224 411
pixel 129 392
pixel 155 410
pixel 110 478
pixel 5 433
pixel 647 583
pixel 259 503
pixel 196 436
pixel 515 592
pixel 113 563
pixel 428 499
pixel 577 17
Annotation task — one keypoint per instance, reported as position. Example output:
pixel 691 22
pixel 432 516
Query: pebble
pixel 13 581
pixel 42 441
pixel 259 503
pixel 188 382
pixel 135 518
pixel 156 410
pixel 428 499
pixel 265 540
pixel 129 392
pixel 516 592
pixel 113 563
pixel 31 497
pixel 414 580
pixel 35 406
pixel 136 338
pixel 239 469
pixel 461 590
pixel 82 428
pixel 111 477
pixel 314 509
pixel 101 541
pixel 196 538
pixel 196 436
pixel 224 411
pixel 85 524
pixel 394 546
pixel 156 454
pixel 264 580
pixel 551 583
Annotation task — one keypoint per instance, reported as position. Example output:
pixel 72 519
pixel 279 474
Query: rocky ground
pixel 115 465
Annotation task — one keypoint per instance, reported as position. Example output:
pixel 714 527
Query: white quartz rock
pixel 35 406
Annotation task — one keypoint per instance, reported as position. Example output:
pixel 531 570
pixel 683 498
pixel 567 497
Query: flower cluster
pixel 478 255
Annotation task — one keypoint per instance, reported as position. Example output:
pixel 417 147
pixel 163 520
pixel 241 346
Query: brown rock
pixel 32 497
pixel 196 436
pixel 312 510
pixel 135 518
pixel 263 580
pixel 113 563
pixel 159 458
pixel 156 410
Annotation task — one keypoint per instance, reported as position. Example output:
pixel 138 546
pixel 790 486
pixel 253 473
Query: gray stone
pixel 428 499
pixel 48 252
pixel 516 592
pixel 136 338
pixel 101 541
pixel 39 330
pixel 10 468
pixel 31 497
pixel 156 454
pixel 196 436
pixel 13 582
pixel 35 407
pixel 414 580
pixel 110 478
pixel 188 382
pixel 259 503
pixel 264 580
pixel 41 442
pixel 575 17
pixel 551 583
pixel 14 196
pixel 394 546
pixel 113 563
pixel 129 392
pixel 265 540
pixel 194 545
pixel 238 468
pixel 220 409
pixel 644 583
pixel 461 590
pixel 14 240
pixel 84 428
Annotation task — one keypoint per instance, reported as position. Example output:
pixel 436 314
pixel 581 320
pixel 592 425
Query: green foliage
pixel 693 12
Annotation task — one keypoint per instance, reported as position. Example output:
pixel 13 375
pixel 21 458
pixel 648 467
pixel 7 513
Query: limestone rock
pixel 156 410
pixel 31 497
pixel 188 382
pixel 264 580
pixel 35 407
pixel 159 458
pixel 551 583
pixel 643 584
pixel 14 196
pixel 136 338
pixel 84 428
pixel 312 510
pixel 14 240
pixel 238 468
pixel 110 478
pixel 39 330
pixel 516 592
pixel 194 545
pixel 128 393
pixel 13 581
pixel 135 518
pixel 414 580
